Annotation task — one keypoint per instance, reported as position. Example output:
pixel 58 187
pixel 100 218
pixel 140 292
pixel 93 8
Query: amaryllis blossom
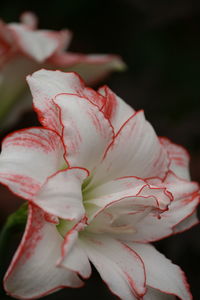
pixel 101 186
pixel 24 49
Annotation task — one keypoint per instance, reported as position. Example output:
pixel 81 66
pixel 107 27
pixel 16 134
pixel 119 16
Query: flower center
pixel 65 226
pixel 113 220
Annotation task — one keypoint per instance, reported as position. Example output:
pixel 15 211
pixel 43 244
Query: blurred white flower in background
pixel 24 49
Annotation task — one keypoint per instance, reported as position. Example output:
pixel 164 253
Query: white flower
pixel 101 186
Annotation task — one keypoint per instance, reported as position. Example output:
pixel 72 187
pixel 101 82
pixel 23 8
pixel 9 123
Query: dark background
pixel 160 42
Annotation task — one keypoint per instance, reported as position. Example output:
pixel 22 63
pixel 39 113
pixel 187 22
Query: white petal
pixel 61 194
pixel 33 272
pixel 135 151
pixel 115 109
pixel 119 220
pixel 182 210
pixel 120 268
pixel 28 157
pixel 73 255
pixel 35 44
pixel 179 158
pixel 77 261
pixel 86 132
pixel 63 39
pixel 161 274
pixel 127 202
pixel 180 215
pixel 188 222
pixel 45 85
pixel 180 188
pixel 151 229
pixel 92 68
pixel 129 192
pixel 110 191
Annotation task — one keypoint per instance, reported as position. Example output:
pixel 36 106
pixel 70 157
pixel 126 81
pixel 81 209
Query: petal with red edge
pixel 28 157
pixel 35 44
pixel 135 151
pixel 161 273
pixel 180 211
pixel 61 194
pixel 77 261
pixel 118 219
pixel 151 229
pixel 119 212
pixel 120 267
pixel 180 188
pixel 187 223
pixel 179 158
pixel 62 37
pixel 45 85
pixel 92 67
pixel 114 190
pixel 74 257
pixel 181 214
pixel 115 109
pixel 86 132
pixel 133 191
pixel 33 272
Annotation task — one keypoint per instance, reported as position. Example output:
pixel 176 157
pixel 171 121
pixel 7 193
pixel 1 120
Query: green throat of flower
pixel 65 226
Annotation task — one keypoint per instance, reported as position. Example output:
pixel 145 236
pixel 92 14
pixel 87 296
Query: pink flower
pixel 24 49
pixel 101 186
